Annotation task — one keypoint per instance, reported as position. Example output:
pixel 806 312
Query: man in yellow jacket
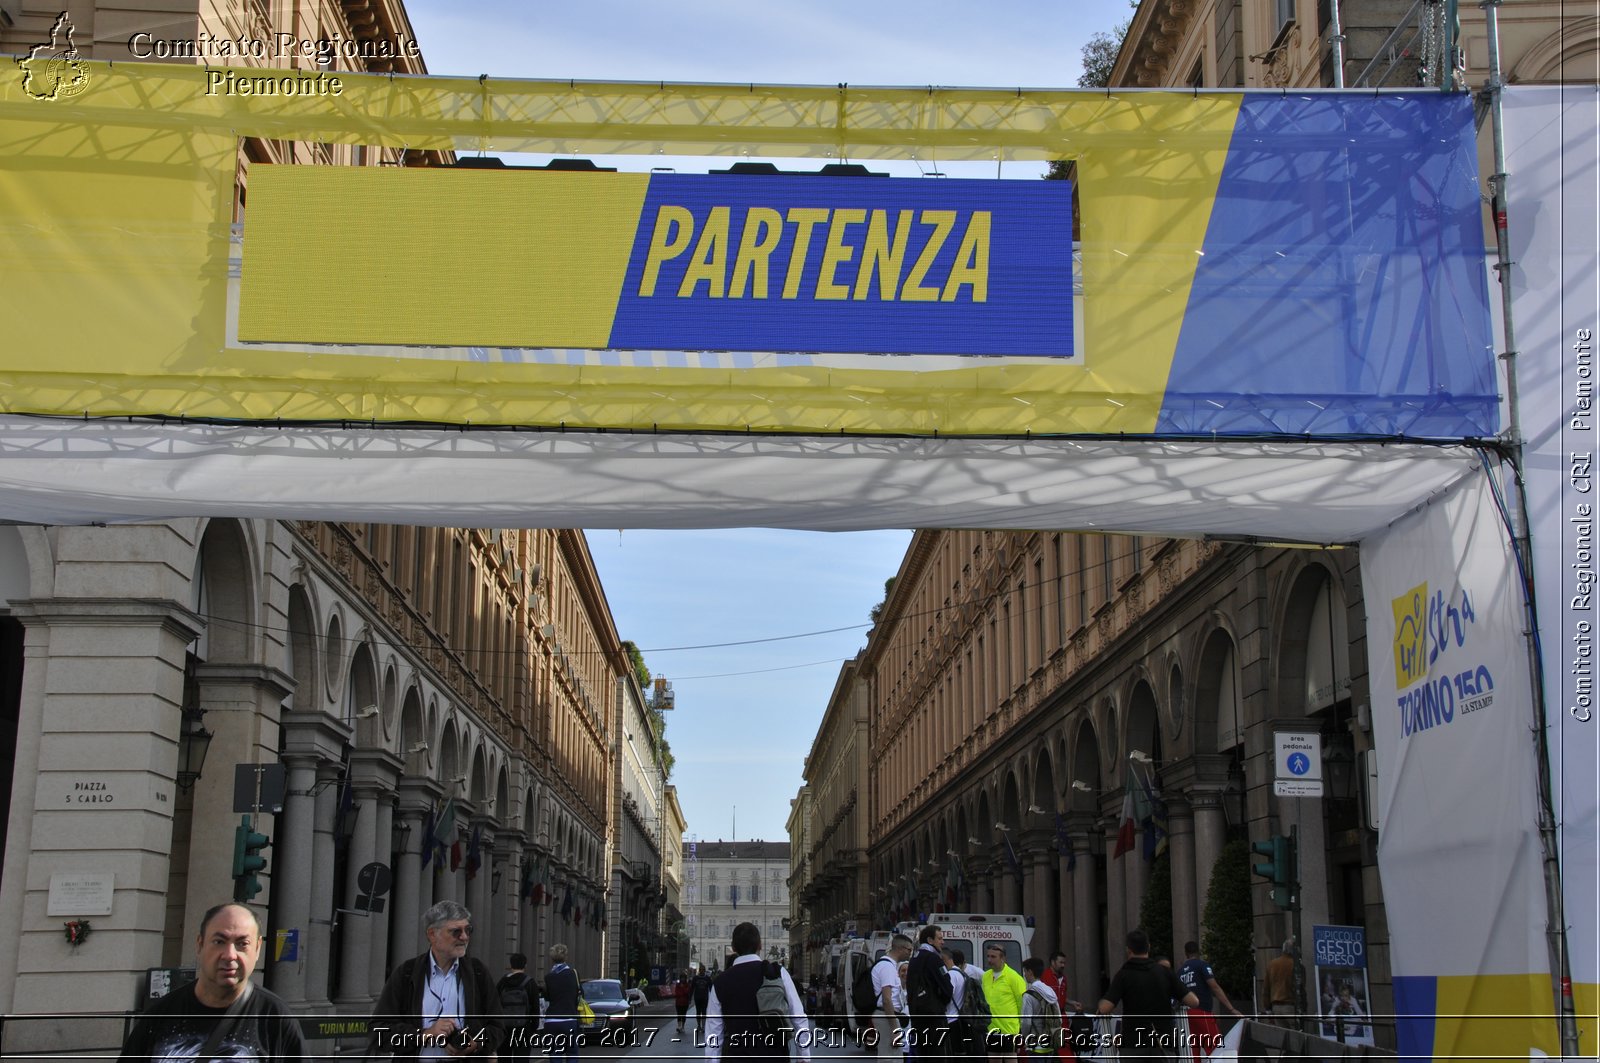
pixel 1003 989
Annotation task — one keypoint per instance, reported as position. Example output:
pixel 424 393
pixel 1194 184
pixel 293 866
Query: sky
pixel 746 714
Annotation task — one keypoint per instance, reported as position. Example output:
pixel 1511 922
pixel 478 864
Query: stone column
pixel 378 971
pixel 363 940
pixel 1041 896
pixel 480 894
pixel 293 849
pixel 455 882
pixel 979 885
pixel 1135 875
pixel 355 928
pixel 319 948
pixel 1087 939
pixel 243 703
pixel 1210 832
pixel 509 904
pixel 1117 925
pixel 1199 783
pixel 419 798
pixel 1008 897
pixel 1180 847
pixel 1066 903
pixel 77 718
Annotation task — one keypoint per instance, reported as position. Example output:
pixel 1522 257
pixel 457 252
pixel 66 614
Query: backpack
pixel 514 999
pixel 861 994
pixel 1045 1029
pixel 772 1001
pixel 974 1006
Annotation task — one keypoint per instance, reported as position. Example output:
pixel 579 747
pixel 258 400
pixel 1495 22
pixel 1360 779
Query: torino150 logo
pixel 1424 628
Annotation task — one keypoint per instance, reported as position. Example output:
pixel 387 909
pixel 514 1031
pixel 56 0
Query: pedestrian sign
pixel 1298 764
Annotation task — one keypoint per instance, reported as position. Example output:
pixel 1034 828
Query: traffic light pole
pixel 1301 1002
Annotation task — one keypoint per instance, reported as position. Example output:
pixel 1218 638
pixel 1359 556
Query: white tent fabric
pixel 61 472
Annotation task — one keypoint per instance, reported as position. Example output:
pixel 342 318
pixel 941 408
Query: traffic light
pixel 247 860
pixel 1281 867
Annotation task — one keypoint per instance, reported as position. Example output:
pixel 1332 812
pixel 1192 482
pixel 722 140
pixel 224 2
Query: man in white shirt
pixel 734 1028
pixel 885 984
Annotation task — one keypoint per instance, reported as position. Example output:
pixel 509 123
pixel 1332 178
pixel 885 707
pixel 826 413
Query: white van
pixel 861 954
pixel 972 933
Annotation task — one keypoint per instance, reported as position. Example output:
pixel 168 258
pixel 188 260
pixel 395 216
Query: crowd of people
pixel 921 999
pixel 930 1002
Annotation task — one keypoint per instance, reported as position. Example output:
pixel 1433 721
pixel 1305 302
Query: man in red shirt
pixel 1055 976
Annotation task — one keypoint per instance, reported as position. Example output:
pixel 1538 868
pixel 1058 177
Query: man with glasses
pixel 441 1004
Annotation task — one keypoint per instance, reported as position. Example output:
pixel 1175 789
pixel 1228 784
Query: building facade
pixel 426 692
pixel 833 890
pixel 732 883
pixel 441 702
pixel 1022 685
pixel 638 892
pixel 674 925
pixel 797 923
pixel 1289 44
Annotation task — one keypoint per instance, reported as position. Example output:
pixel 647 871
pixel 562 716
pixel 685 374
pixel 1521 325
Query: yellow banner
pixel 120 195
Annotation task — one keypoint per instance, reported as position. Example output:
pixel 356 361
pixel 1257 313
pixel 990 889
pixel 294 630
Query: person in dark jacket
pixel 928 995
pixel 221 1011
pixel 561 989
pixel 735 1028
pixel 701 985
pixel 440 1001
pixel 520 1022
pixel 681 992
pixel 1146 990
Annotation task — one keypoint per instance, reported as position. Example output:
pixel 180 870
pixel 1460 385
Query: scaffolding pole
pixel 1555 907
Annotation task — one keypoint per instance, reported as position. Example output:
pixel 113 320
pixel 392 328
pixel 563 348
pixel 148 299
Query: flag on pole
pixel 1154 819
pixel 344 825
pixel 1011 857
pixel 1125 831
pixel 525 887
pixel 474 852
pixel 733 894
pixel 446 824
pixel 1064 842
pixel 429 841
pixel 566 904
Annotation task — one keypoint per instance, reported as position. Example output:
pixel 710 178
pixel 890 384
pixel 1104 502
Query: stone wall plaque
pixel 80 893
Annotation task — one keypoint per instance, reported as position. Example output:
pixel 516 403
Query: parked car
pixel 612 1010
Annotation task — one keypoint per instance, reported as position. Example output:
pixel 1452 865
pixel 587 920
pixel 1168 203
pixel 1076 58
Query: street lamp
pixel 193 742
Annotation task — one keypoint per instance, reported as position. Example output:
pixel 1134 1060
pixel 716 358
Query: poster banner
pixel 1552 147
pixel 1339 959
pixel 1246 265
pixel 726 262
pixel 1452 721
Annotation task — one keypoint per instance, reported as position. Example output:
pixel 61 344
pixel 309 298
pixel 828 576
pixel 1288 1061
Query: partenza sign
pixel 661 262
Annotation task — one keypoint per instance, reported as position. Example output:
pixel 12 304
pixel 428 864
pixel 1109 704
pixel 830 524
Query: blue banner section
pixel 1416 1003
pixel 1342 288
pixel 850 265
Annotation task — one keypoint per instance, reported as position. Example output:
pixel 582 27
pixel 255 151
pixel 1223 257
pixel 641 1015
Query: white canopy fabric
pixel 62 472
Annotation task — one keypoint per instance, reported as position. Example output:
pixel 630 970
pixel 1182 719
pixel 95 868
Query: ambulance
pixel 972 933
